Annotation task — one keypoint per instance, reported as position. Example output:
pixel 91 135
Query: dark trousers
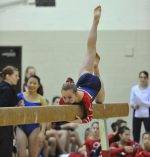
pixel 137 122
pixel 6 141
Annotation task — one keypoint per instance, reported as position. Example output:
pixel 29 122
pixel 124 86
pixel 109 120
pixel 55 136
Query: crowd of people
pixel 56 139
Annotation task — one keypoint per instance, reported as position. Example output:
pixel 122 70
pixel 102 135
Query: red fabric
pixel 113 138
pixel 87 102
pixel 105 153
pixel 61 101
pixel 91 144
pixel 142 153
pixel 116 149
pixel 76 155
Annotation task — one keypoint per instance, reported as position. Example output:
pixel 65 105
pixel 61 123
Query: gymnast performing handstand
pixel 89 86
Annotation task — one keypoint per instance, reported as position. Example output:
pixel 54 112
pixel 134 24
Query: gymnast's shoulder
pixel 42 100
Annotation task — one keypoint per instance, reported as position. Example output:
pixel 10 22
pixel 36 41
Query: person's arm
pixel 43 103
pixel 141 102
pixel 70 126
pixel 114 150
pixel 146 154
pixel 132 100
pixel 88 107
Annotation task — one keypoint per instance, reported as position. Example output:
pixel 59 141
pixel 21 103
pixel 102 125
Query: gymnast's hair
pixel 96 122
pixel 69 85
pixel 123 129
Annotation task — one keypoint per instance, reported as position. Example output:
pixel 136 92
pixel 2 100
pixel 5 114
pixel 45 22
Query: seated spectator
pixel 145 150
pixel 92 146
pixel 55 100
pixel 125 147
pixel 114 136
pixel 52 146
pixel 74 140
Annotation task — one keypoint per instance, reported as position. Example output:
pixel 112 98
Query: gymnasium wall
pixel 75 15
pixel 59 54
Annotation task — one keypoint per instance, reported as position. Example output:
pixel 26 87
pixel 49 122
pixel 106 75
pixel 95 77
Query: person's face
pixel 95 129
pixel 125 136
pixel 13 78
pixel 31 72
pixel 32 84
pixel 146 141
pixel 143 80
pixel 56 102
pixel 68 96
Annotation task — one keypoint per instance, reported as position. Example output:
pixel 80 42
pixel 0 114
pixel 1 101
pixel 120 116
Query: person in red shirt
pixel 92 142
pixel 75 155
pixel 125 147
pixel 145 151
pixel 92 146
pixel 114 136
pixel 89 85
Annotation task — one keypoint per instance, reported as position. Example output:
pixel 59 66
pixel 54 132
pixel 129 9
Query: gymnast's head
pixel 69 91
pixel 34 84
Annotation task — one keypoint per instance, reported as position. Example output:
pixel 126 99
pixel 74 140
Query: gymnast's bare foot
pixel 97 14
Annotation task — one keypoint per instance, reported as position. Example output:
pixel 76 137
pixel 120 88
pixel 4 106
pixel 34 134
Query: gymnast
pixel 89 86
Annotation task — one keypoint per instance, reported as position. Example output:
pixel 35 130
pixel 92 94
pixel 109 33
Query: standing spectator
pixel 140 102
pixel 8 98
pixel 33 134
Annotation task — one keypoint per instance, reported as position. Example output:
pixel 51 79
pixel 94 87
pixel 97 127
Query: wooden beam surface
pixel 27 115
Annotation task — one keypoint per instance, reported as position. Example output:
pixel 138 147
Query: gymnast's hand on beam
pixel 69 126
pixel 21 103
pixel 78 120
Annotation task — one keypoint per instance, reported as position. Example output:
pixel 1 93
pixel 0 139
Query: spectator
pixel 125 147
pixel 55 100
pixel 140 102
pixel 8 98
pixel 114 136
pixel 31 71
pixel 145 151
pixel 33 134
pixel 92 146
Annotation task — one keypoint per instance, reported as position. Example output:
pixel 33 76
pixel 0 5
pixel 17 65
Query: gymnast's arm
pixel 43 103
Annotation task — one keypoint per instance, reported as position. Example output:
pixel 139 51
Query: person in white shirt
pixel 140 102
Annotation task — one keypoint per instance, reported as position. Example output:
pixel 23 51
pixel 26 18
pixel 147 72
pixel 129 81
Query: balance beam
pixel 53 113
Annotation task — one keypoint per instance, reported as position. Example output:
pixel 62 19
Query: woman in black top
pixel 8 98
